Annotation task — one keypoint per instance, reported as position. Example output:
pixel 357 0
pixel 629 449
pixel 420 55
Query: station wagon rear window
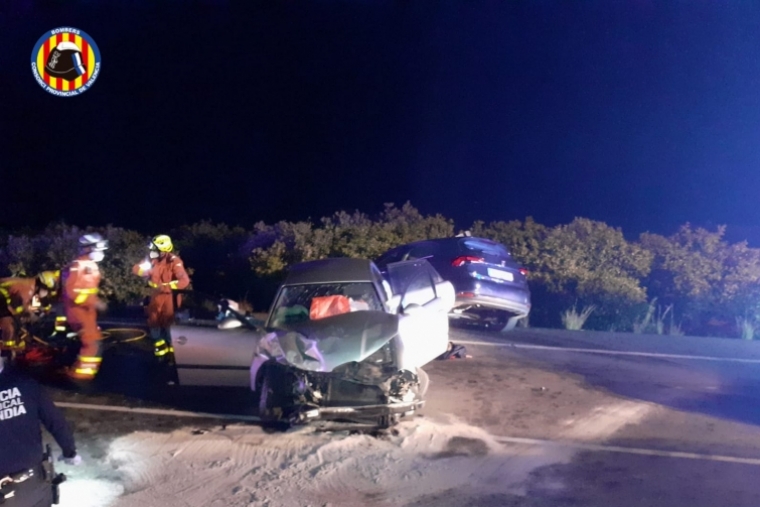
pixel 485 247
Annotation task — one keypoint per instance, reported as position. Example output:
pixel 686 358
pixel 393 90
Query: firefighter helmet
pixel 93 243
pixel 162 243
pixel 65 61
pixel 49 279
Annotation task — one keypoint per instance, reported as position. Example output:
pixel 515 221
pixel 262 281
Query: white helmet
pixel 93 245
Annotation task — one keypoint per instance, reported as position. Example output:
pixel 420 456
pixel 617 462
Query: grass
pixel 653 321
pixel 747 327
pixel 573 320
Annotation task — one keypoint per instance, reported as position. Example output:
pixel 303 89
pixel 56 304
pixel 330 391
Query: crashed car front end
pixel 343 367
pixel 343 343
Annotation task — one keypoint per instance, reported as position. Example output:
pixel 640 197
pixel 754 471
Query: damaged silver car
pixel 341 342
pixel 347 344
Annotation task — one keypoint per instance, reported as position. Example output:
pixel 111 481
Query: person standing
pixel 24 407
pixel 165 273
pixel 81 281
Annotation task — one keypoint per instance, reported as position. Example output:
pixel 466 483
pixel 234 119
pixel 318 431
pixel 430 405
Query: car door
pixel 425 301
pixel 208 356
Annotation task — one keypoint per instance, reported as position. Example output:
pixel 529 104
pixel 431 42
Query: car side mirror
pixel 230 323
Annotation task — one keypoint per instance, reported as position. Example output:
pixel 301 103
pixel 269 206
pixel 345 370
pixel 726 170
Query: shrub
pixel 275 247
pixel 709 279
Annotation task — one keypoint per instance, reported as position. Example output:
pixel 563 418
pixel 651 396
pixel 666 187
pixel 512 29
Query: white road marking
pixel 609 352
pixel 157 411
pixel 628 450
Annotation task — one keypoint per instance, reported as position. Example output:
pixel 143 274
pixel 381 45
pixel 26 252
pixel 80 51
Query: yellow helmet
pixel 162 243
pixel 49 279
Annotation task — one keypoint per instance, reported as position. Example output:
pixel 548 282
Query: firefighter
pixel 165 273
pixel 26 478
pixel 80 282
pixel 51 283
pixel 21 297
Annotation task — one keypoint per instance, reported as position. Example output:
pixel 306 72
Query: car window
pixel 483 247
pixel 199 306
pixel 393 255
pixel 422 251
pixel 434 274
pixel 295 303
pixel 413 281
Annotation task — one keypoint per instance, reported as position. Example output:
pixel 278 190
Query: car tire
pixel 274 405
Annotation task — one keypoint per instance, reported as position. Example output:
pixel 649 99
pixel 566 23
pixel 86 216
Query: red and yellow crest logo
pixel 65 61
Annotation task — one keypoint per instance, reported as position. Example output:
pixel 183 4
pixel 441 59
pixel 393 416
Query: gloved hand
pixel 101 306
pixel 73 461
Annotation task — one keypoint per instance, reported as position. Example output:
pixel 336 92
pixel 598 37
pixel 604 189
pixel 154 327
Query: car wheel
pixel 496 320
pixel 274 404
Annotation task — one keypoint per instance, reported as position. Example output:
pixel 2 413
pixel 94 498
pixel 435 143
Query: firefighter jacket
pixel 23 406
pixel 17 295
pixel 80 282
pixel 165 274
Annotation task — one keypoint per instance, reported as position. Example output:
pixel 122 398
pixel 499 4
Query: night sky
pixel 641 114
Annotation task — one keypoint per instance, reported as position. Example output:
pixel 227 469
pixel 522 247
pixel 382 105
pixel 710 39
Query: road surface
pixel 569 418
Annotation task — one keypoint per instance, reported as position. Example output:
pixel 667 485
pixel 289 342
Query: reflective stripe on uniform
pixel 82 295
pixel 87 365
pixel 60 323
pixel 162 348
pixel 86 371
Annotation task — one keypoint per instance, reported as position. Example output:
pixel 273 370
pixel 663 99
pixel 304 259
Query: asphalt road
pixel 683 427
pixel 699 437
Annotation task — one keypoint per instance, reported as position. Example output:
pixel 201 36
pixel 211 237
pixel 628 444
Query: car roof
pixel 338 269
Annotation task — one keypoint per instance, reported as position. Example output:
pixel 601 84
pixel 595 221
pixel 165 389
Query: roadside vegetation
pixel 583 275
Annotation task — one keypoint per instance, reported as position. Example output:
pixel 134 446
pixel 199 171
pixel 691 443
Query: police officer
pixel 23 406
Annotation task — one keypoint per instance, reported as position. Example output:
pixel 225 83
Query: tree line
pixel 692 281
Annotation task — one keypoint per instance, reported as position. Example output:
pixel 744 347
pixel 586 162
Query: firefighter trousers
pixel 83 321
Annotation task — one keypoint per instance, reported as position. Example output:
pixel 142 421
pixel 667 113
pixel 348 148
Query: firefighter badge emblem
pixel 65 62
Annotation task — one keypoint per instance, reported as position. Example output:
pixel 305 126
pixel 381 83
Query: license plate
pixel 501 275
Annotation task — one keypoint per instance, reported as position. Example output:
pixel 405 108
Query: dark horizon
pixel 639 114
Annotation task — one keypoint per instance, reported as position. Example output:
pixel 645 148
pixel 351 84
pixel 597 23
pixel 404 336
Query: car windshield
pixel 298 303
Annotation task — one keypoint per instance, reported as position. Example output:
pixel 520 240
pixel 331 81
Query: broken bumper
pixel 369 412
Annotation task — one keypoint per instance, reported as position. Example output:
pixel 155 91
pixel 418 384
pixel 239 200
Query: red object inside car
pixel 327 306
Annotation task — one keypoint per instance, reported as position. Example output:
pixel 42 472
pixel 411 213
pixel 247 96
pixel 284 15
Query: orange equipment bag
pixel 327 306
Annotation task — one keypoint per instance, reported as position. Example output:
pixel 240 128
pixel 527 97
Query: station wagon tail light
pixel 523 271
pixel 459 261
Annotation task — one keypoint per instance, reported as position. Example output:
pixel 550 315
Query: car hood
pixel 324 344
